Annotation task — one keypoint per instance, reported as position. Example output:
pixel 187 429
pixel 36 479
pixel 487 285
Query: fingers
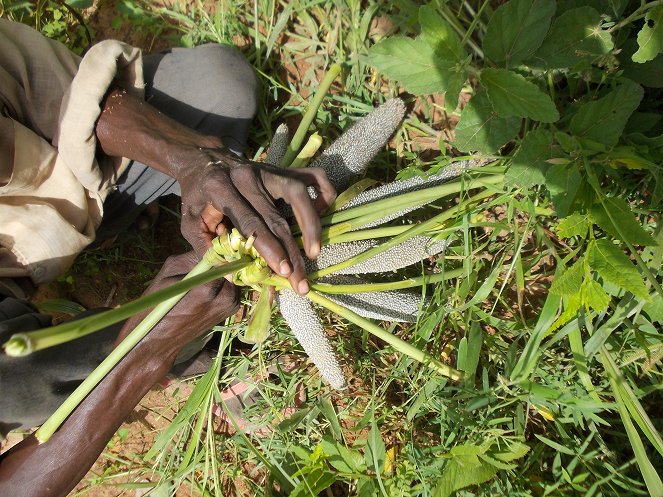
pixel 292 189
pixel 195 230
pixel 324 187
pixel 273 239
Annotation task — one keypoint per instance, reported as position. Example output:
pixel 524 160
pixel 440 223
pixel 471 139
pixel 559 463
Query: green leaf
pixel 575 38
pixel 570 282
pixel 517 29
pixel 257 330
pixel 613 8
pixel 515 450
pixel 513 96
pixel 648 73
pixel 593 295
pixel 366 488
pixel 343 459
pixel 79 4
pixel 616 217
pixel 528 166
pixel 413 63
pixel 613 266
pixel 480 129
pixel 654 309
pixel 463 469
pixel 440 35
pixel 375 450
pixel 629 407
pixel 572 305
pixel 603 120
pixel 650 37
pixel 575 224
pixel 563 183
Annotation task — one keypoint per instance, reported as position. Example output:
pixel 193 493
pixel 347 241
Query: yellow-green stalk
pixel 311 112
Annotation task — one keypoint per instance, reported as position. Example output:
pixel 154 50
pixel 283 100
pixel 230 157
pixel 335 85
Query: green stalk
pixel 386 286
pixel 381 208
pixel 381 286
pixel 44 433
pixel 413 231
pixel 400 345
pixel 22 344
pixel 311 112
pixel 307 152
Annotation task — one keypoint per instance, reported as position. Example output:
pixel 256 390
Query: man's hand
pixel 217 184
pixel 222 185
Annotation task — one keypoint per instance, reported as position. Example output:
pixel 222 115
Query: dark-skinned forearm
pixel 52 469
pixel 129 127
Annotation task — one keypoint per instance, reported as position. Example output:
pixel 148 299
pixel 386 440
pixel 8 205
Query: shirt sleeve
pixel 51 199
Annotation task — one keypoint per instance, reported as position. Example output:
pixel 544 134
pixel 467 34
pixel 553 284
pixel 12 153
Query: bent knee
pixel 235 84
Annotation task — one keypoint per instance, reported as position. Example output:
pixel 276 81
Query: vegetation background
pixel 556 320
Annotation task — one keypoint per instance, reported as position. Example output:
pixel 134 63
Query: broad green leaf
pixel 480 129
pixel 463 469
pixel 654 309
pixel 616 217
pixel 440 35
pixel 575 224
pixel 593 296
pixel 313 482
pixel 611 8
pixel 366 488
pixel 650 37
pixel 517 29
pixel 513 96
pixel 613 265
pixel 572 305
pixel 603 120
pixel 563 183
pixel 461 356
pixel 413 63
pixel 341 458
pixel 575 37
pixel 528 166
pixel 79 4
pixel 648 73
pixel 570 282
pixel 515 450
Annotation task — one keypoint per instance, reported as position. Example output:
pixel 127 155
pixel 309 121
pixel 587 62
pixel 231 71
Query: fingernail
pixel 284 268
pixel 303 287
pixel 314 250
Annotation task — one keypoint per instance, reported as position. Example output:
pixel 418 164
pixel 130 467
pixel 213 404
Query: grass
pixel 585 399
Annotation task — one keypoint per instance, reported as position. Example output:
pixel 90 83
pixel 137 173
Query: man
pixel 80 153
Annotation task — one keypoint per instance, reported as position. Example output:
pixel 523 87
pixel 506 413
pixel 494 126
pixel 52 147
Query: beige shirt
pixel 52 193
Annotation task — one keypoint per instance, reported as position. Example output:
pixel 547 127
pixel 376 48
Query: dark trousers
pixel 211 89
